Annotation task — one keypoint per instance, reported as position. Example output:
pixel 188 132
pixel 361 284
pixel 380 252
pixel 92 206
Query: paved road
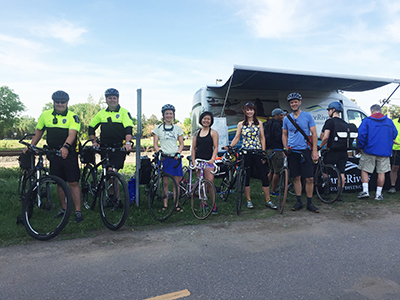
pixel 303 257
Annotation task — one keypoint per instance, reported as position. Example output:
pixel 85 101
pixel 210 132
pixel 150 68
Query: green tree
pixel 86 112
pixel 187 126
pixel 47 106
pixel 26 124
pixel 10 107
pixel 393 111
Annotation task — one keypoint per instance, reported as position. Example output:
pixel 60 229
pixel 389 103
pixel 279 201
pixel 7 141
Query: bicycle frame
pixel 201 165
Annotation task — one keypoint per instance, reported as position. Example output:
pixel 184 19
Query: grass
pixel 139 217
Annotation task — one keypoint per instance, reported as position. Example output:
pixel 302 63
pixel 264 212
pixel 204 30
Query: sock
pixel 309 201
pixel 298 198
pixel 267 200
pixel 365 187
pixel 378 190
pixel 248 200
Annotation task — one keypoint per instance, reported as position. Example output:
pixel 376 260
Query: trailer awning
pixel 252 78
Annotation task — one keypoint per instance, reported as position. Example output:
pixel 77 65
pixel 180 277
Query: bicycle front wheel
pixel 283 189
pixel 163 197
pixel 41 208
pixel 328 183
pixel 88 187
pixel 203 199
pixel 114 201
pixel 239 190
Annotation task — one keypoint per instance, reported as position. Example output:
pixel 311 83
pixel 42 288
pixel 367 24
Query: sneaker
pixel 215 210
pixel 250 204
pixel 274 194
pixel 271 205
pixel 392 190
pixel 60 214
pixel 311 207
pixel 379 198
pixel 78 217
pixel 297 206
pixel 363 195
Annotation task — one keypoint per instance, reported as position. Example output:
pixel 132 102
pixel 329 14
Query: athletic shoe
pixel 78 217
pixel 392 190
pixel 269 204
pixel 215 210
pixel 274 194
pixel 60 213
pixel 379 198
pixel 297 206
pixel 250 204
pixel 363 195
pixel 311 207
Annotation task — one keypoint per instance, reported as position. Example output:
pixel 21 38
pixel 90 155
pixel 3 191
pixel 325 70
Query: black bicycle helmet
pixel 294 96
pixel 60 95
pixel 111 92
pixel 167 107
pixel 336 105
pixel 206 113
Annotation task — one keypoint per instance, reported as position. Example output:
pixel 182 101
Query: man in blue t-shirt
pixel 300 157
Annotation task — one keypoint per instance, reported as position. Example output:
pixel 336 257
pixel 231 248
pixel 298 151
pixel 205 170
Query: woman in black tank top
pixel 205 144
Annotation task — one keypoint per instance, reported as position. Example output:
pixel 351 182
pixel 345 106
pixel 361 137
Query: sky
pixel 171 48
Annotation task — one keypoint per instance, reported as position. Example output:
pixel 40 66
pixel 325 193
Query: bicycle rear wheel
pixel 203 199
pixel 239 190
pixel 227 184
pixel 41 208
pixel 88 187
pixel 162 197
pixel 327 183
pixel 283 189
pixel 114 201
pixel 184 185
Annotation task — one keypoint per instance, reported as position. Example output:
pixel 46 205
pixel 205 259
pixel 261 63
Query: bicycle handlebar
pixel 201 164
pixel 37 150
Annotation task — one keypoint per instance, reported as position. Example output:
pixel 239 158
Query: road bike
pixel 43 196
pixel 107 185
pixel 162 190
pixel 202 192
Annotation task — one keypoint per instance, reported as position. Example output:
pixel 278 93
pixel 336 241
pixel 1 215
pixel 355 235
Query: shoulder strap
pixel 297 127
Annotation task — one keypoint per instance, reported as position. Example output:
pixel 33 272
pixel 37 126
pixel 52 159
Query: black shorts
pixel 301 164
pixel 338 158
pixel 117 159
pixel 395 159
pixel 67 169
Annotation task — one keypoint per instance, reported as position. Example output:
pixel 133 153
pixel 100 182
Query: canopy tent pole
pixel 386 101
pixel 226 95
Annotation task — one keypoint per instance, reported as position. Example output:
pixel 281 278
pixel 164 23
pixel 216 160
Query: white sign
pixel 221 127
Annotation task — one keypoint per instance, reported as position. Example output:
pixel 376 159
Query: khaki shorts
pixel 276 161
pixel 369 162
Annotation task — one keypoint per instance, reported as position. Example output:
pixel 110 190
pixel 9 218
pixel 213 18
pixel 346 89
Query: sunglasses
pixel 60 101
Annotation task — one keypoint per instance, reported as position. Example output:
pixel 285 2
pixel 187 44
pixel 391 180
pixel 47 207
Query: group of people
pixel 62 127
pixel 286 137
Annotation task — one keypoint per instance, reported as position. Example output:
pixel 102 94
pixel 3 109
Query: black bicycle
pixel 162 190
pixel 327 180
pixel 107 185
pixel 43 196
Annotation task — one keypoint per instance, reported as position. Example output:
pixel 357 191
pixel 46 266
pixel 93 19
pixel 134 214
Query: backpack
pixel 343 135
pixel 267 133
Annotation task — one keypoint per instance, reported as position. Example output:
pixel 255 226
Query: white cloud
pixel 66 31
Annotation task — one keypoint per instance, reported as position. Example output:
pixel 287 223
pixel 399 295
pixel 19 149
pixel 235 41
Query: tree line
pixel 15 125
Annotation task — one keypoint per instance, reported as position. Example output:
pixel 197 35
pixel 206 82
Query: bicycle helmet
pixel 336 105
pixel 206 113
pixel 167 107
pixel 277 111
pixel 111 92
pixel 294 96
pixel 60 95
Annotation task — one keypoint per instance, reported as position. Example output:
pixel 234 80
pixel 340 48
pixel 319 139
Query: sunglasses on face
pixel 60 101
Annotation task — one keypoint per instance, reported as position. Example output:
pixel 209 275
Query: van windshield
pixel 355 117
